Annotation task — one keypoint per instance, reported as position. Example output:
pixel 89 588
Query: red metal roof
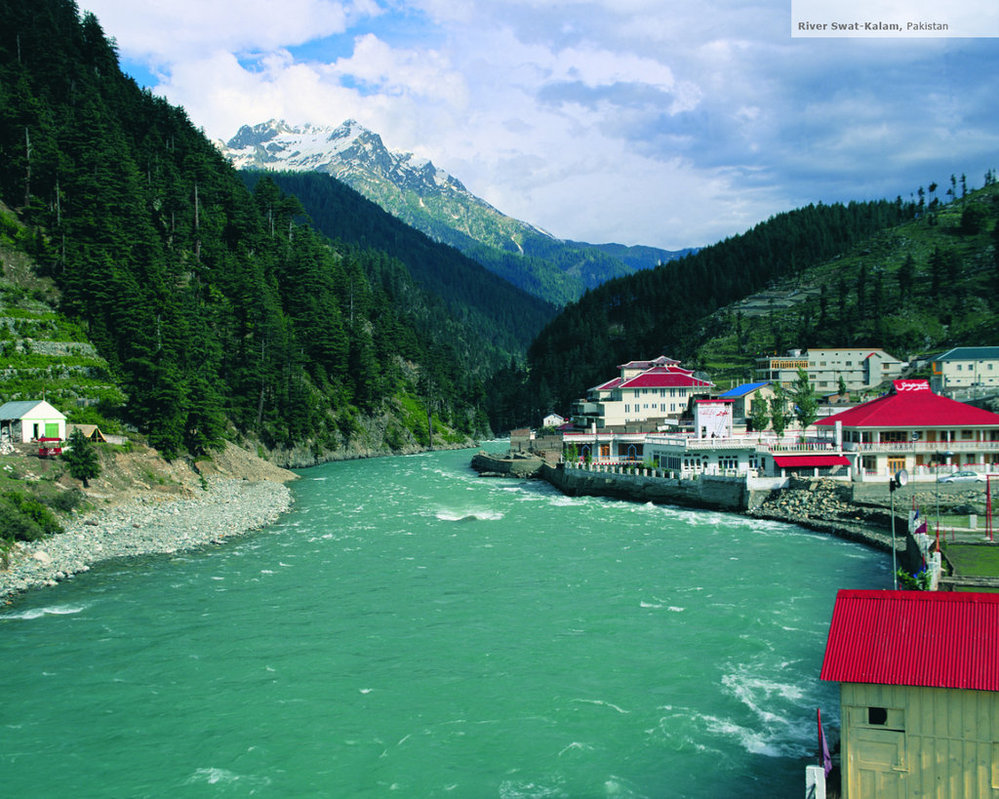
pixel 912 404
pixel 925 638
pixel 664 377
pixel 792 461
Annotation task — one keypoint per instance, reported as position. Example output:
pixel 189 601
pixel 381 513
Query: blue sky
pixel 671 123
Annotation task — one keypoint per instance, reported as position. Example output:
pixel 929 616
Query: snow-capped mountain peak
pixel 349 152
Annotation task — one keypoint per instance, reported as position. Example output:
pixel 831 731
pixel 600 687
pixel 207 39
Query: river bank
pixel 145 525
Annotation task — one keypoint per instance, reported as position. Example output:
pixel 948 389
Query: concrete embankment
pixel 708 491
pixel 825 506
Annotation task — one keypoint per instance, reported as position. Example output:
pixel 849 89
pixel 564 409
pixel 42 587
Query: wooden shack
pixel 919 693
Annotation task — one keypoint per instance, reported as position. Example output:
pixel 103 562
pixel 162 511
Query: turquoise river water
pixel 412 630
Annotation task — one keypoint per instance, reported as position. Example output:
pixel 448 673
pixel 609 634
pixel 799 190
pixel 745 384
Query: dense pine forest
pixel 218 308
pixel 506 317
pixel 663 310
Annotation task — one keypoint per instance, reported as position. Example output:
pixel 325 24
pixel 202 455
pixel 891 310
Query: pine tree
pixel 81 458
pixel 806 403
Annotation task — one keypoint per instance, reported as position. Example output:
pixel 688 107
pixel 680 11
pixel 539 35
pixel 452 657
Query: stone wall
pixel 639 484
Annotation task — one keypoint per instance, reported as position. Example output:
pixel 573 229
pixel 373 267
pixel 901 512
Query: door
pixel 876 763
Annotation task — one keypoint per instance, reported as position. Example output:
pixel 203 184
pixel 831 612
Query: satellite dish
pixel 901 477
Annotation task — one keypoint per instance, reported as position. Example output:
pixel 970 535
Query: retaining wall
pixel 707 491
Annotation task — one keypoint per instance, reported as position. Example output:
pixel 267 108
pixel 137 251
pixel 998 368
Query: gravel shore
pixel 145 525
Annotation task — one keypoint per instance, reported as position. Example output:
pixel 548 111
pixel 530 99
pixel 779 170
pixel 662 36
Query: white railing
pixel 922 446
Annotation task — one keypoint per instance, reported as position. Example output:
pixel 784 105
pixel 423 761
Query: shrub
pixel 65 501
pixel 24 518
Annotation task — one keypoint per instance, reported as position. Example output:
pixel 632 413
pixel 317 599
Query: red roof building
pixel 919 692
pixel 655 391
pixel 914 429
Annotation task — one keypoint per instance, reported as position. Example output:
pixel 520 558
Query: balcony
pixel 922 447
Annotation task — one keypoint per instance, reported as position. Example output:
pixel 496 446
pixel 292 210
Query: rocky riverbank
pixel 146 524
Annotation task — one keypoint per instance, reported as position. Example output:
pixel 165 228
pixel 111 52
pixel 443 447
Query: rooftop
pixel 970 354
pixel 912 404
pixel 919 638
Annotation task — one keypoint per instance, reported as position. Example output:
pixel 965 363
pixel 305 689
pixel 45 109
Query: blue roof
pixel 970 354
pixel 744 389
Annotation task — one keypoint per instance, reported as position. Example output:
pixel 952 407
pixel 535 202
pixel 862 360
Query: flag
pixel 922 528
pixel 823 746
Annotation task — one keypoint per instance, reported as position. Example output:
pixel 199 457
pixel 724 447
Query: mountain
pixel 438 204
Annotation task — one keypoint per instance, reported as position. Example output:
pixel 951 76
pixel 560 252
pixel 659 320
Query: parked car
pixel 962 477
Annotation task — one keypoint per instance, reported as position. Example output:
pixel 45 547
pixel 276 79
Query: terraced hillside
pixel 42 353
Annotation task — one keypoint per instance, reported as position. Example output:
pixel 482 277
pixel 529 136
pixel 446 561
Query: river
pixel 411 629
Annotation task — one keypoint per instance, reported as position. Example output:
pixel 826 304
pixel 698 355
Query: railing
pixel 922 446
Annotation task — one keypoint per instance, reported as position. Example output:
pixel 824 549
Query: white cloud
pixel 631 120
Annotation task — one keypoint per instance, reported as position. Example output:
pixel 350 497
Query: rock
pixel 42 557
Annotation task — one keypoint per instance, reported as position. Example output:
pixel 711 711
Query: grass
pixel 973 560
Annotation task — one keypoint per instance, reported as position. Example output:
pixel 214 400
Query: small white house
pixel 30 420
pixel 553 420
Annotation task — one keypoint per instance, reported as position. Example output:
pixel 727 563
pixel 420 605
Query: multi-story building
pixel 914 429
pixel 656 392
pixel 965 367
pixel 860 368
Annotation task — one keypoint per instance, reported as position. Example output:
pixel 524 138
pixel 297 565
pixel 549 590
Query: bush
pixel 24 518
pixel 65 501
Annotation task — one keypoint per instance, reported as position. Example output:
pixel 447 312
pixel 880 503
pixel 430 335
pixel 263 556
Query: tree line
pixel 664 310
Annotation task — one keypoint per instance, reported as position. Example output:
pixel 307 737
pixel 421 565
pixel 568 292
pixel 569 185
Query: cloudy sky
pixel 671 123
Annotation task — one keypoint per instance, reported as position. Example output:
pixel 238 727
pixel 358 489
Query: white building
pixel 657 391
pixel 553 420
pixel 31 420
pixel 860 368
pixel 964 367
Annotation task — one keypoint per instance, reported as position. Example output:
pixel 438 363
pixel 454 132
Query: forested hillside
pixel 915 289
pixel 664 310
pixel 503 314
pixel 216 309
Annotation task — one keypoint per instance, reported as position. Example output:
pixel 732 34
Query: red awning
pixel 807 461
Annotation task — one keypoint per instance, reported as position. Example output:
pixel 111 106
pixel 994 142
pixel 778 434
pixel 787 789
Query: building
pixel 860 368
pixel 742 400
pixel 30 420
pixel 914 429
pixel 965 367
pixel 553 420
pixel 919 693
pixel 655 392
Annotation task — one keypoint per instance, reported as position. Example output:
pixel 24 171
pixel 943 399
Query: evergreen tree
pixel 759 416
pixel 780 416
pixel 806 403
pixel 81 458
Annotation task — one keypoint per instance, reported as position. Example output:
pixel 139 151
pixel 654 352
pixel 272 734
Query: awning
pixel 809 461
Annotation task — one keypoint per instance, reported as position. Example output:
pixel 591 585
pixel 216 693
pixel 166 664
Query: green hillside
pixel 911 277
pixel 918 288
pixel 499 313
pixel 669 309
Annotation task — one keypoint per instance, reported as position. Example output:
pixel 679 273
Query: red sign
pixel 911 385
